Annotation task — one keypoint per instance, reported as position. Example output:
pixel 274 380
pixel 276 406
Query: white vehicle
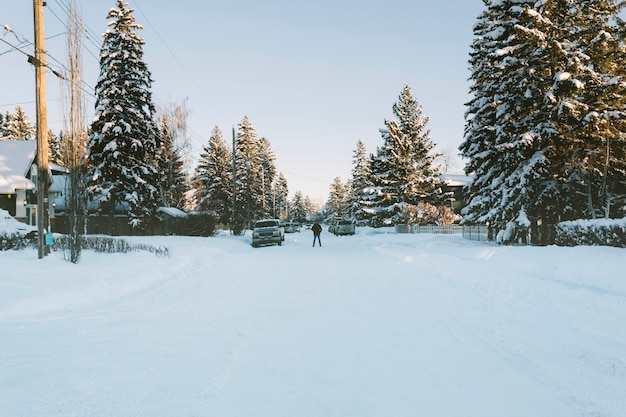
pixel 343 227
pixel 292 227
pixel 267 232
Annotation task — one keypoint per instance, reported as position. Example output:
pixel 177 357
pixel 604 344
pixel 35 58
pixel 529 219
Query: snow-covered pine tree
pixel 361 181
pixel 54 148
pixel 491 31
pixel 596 167
pixel 267 173
pixel 174 184
pixel 403 171
pixel 536 90
pixel 337 199
pixel 248 184
pixel 2 130
pixel 124 141
pixel 508 130
pixel 297 208
pixel 528 61
pixel 310 208
pixel 280 197
pixel 17 126
pixel 213 178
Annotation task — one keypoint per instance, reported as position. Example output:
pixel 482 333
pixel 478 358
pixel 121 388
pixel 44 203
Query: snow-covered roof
pixel 171 211
pixel 15 159
pixel 459 180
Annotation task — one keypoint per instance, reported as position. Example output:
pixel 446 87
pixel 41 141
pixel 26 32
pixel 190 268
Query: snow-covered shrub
pixel 14 241
pixel 106 244
pixel 425 213
pixel 605 232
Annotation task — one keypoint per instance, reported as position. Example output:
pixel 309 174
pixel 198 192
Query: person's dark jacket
pixel 317 229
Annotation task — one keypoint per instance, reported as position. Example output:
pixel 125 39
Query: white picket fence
pixel 429 228
pixel 480 233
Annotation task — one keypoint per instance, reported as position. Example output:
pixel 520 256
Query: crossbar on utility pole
pixel 42 128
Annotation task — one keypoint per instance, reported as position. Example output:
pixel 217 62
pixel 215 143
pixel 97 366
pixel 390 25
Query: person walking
pixel 317 230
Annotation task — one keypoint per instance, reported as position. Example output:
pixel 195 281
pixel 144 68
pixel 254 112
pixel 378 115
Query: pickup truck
pixel 267 232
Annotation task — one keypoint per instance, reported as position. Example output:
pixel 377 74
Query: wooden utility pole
pixel 42 129
pixel 232 216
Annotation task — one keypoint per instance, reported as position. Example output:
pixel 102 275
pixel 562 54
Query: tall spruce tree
pixel 336 205
pixel 360 183
pixel 309 208
pixel 538 89
pixel 402 171
pixel 597 166
pixel 491 31
pixel 54 148
pixel 253 160
pixel 213 178
pixel 124 141
pixel 174 183
pixel 267 173
pixel 3 132
pixel 297 208
pixel 280 197
pixel 508 131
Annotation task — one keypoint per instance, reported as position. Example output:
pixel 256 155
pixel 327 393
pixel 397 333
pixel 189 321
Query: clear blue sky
pixel 313 77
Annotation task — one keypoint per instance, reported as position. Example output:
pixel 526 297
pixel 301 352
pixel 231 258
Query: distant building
pixel 18 180
pixel 16 158
pixel 454 183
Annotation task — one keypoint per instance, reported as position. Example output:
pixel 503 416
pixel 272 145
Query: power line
pixel 65 8
pixel 200 89
pixel 32 59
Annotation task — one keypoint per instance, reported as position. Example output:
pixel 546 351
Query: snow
pixel 376 324
pixel 172 212
pixel 9 226
pixel 15 158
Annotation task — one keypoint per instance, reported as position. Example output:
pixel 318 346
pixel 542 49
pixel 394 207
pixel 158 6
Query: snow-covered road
pixel 376 324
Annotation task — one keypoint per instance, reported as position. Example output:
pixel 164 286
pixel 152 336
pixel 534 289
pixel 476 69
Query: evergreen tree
pixel 251 156
pixel 17 126
pixel 402 171
pixel 280 195
pixel 174 184
pixel 508 121
pixel 54 148
pixel 213 178
pixel 309 208
pixel 297 208
pixel 524 131
pixel 360 183
pixel 124 141
pixel 597 165
pixel 336 205
pixel 3 132
pixel 531 130
pixel 267 171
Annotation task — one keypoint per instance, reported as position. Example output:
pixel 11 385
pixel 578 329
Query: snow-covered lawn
pixel 376 324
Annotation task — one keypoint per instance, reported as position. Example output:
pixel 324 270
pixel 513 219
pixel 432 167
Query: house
pixel 16 188
pixel 18 181
pixel 18 196
pixel 454 183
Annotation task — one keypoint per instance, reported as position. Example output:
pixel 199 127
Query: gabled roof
pixel 16 157
pixel 456 180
